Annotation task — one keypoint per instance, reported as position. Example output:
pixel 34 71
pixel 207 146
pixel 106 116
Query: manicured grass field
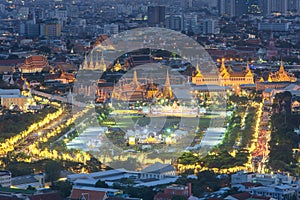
pixel 129 121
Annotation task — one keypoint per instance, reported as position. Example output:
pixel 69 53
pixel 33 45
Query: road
pixel 31 138
pixel 68 99
pixel 260 155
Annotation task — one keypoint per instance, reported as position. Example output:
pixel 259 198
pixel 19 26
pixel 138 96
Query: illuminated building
pixel 117 66
pixel 281 75
pixel 167 91
pixel 34 64
pixel 93 63
pixel 64 77
pixel 101 65
pixel 86 89
pixel 104 90
pixel 152 90
pixel 133 90
pixel 103 42
pixel 276 80
pixel 225 77
pixel 12 97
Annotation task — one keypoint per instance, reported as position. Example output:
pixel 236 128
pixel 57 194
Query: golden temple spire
pixel 92 63
pixel 223 70
pixel 102 64
pixel 281 68
pixel 261 79
pixel 269 78
pixel 223 67
pixel 85 63
pixel 135 79
pixel 96 62
pixel 247 67
pixel 198 72
pixel 248 71
pixel 167 91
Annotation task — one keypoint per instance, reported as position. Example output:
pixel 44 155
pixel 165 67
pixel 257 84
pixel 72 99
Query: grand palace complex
pixel 138 87
pixel 141 89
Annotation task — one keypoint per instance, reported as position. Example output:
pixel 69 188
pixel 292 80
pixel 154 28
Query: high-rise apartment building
pixel 174 22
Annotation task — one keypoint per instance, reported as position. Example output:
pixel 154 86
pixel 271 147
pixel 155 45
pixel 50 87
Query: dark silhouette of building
pixel 241 7
pixel 156 16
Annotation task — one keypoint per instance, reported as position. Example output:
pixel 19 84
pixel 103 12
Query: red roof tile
pixel 260 197
pixel 36 61
pixel 248 184
pixel 46 196
pixel 162 196
pixel 242 196
pixel 93 195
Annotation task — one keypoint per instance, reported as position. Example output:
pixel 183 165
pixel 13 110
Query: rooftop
pixel 15 190
pixel 158 168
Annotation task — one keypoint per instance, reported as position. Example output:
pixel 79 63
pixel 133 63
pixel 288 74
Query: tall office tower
pixel 156 16
pixel 226 8
pixel 241 7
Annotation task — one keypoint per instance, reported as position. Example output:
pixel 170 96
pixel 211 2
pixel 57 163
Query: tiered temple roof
pixel 34 64
pixel 281 75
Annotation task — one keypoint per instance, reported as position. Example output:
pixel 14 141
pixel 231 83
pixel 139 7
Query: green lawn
pixel 127 121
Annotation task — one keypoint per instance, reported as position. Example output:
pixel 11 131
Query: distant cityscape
pixel 162 99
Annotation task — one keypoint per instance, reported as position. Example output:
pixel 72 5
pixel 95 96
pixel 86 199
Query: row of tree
pixel 13 124
pixel 283 137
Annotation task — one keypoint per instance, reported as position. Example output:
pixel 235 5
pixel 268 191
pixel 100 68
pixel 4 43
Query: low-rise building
pixel 34 180
pixel 5 178
pixel 174 190
pixel 21 194
pixel 33 64
pixel 152 176
pixel 12 97
pixel 264 179
pixel 158 171
pixel 278 192
pixel 90 193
